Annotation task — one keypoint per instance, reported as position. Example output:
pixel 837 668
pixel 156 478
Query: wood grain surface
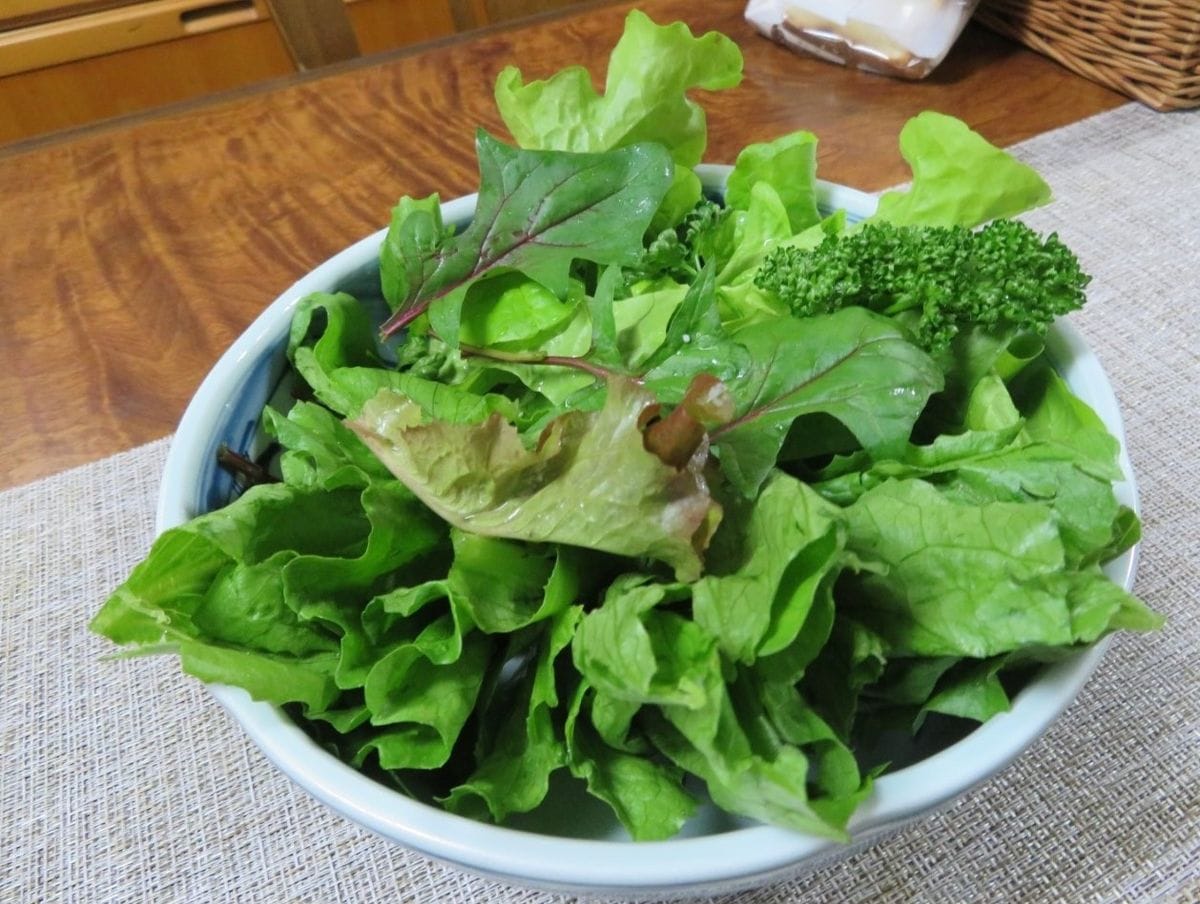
pixel 136 252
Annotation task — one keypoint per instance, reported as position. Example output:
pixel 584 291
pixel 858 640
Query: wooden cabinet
pixel 67 63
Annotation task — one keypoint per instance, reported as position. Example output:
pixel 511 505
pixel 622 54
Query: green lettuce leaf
pixel 970 580
pixel 959 178
pixel 789 165
pixel 624 334
pixel 637 647
pixel 331 333
pixel 1053 450
pixel 694 329
pixel 852 659
pixel 415 235
pixel 276 679
pixel 513 312
pixel 972 691
pixel 745 236
pixel 333 346
pixel 424 691
pixel 243 593
pixel 513 776
pixel 747 770
pixel 1055 415
pixel 645 792
pixel 765 568
pixel 633 648
pixel 837 774
pixel 158 602
pixel 320 450
pixel 421 665
pixel 505 585
pixel 645 98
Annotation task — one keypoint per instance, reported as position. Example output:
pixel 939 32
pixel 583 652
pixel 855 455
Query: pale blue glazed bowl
pixel 574 848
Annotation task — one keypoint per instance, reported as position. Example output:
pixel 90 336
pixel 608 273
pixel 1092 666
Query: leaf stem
pixel 250 471
pixel 600 373
pixel 401 319
pixel 588 367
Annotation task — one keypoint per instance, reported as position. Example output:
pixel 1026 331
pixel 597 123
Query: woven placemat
pixel 124 781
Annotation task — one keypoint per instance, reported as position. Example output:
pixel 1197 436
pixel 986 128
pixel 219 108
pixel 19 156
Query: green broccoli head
pixel 675 252
pixel 427 357
pixel 942 279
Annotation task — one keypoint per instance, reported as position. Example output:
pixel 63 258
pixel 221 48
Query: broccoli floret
pixel 424 356
pixel 674 252
pixel 949 278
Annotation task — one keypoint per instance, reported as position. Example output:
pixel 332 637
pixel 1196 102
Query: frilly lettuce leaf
pixel 748 764
pixel 633 648
pixel 421 693
pixel 645 99
pixel 650 70
pixel 589 482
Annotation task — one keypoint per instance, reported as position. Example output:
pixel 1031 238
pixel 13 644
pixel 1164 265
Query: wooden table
pixel 134 252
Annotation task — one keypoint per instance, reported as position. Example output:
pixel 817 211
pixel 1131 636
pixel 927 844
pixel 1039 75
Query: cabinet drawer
pixel 183 60
pixel 123 27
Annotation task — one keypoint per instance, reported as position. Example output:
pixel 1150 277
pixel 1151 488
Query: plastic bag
pixel 904 38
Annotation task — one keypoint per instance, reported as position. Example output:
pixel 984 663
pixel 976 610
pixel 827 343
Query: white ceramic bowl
pixel 715 853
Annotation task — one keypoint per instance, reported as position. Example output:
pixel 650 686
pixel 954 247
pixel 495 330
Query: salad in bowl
pixel 739 504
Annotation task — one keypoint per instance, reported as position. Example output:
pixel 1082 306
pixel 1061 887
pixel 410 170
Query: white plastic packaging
pixel 904 38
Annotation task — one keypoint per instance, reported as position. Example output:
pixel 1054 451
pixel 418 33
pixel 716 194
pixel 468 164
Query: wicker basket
pixel 1148 50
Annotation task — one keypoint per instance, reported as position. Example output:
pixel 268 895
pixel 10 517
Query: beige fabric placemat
pixel 124 781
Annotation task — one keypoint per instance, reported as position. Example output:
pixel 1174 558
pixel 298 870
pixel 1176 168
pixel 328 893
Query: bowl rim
pixel 725 860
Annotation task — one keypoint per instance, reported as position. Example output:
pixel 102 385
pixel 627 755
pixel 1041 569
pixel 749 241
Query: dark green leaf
pixel 853 365
pixel 537 212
